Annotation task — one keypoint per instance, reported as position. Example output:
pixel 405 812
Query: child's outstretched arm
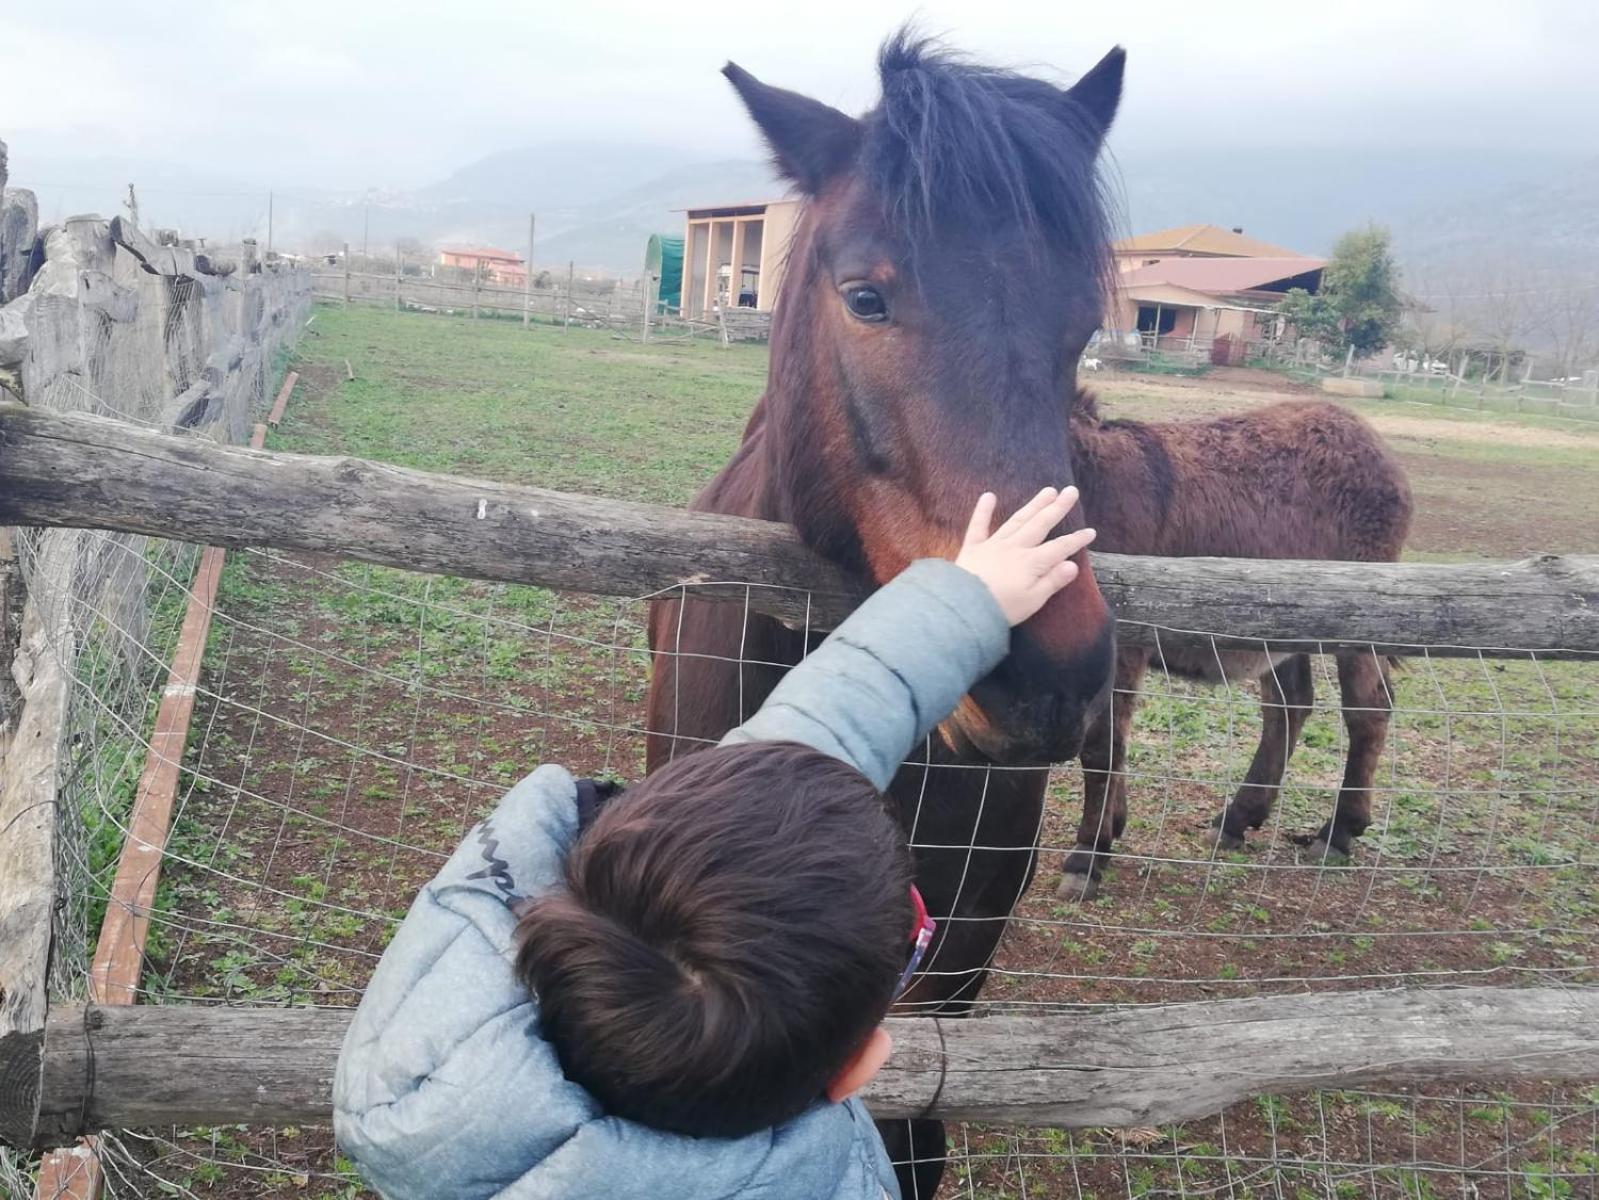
pixel 902 661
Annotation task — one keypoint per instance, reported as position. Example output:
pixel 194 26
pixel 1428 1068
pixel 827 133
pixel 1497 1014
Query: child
pixel 703 962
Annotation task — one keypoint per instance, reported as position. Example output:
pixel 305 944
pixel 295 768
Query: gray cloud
pixel 304 93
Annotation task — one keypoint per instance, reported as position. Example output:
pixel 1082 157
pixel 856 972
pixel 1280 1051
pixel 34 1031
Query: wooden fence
pixel 203 1064
pixel 1154 1065
pixel 622 308
pixel 85 471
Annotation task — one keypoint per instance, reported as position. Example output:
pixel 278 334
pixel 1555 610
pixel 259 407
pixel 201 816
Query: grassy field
pixel 355 721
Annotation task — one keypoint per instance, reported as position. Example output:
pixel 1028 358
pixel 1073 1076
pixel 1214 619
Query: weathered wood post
pixel 477 284
pixel 527 275
pixel 399 271
pixel 346 272
pixel 566 319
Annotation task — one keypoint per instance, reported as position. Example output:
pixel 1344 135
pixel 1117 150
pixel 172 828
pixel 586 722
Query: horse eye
pixel 865 303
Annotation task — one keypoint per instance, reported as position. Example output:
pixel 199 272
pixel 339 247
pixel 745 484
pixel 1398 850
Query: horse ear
pixel 1100 91
pixel 811 142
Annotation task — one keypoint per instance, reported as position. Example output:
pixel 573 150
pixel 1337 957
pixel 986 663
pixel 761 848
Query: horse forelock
pixel 954 144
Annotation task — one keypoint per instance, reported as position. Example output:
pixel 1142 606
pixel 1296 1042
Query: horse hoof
pixel 1229 841
pixel 1319 850
pixel 1077 887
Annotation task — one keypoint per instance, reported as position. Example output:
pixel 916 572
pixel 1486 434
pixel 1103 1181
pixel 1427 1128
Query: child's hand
pixel 1021 569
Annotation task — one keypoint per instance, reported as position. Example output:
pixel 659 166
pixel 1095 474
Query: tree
pixel 1358 305
pixel 1505 314
pixel 1568 311
pixel 1433 325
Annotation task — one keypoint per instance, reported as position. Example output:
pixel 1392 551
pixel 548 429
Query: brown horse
pixel 1294 480
pixel 946 271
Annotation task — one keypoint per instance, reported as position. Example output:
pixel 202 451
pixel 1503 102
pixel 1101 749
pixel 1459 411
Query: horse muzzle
pixel 1035 706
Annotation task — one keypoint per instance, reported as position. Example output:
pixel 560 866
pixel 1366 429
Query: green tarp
pixel 663 260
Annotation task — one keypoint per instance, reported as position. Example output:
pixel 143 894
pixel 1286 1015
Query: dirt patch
pixel 1499 433
pixel 1496 510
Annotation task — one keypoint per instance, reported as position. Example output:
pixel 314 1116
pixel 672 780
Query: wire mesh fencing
pixel 353 722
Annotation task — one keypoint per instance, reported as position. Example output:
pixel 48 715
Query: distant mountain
pixel 597 203
pixel 554 176
pixel 615 231
pixel 176 195
pixel 1545 223
pixel 1303 198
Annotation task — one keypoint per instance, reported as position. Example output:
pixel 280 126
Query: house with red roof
pixel 1203 289
pixel 498 266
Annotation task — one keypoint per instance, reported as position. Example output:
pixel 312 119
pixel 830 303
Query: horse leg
pixel 974 839
pixel 1365 684
pixel 1287 695
pixel 1104 759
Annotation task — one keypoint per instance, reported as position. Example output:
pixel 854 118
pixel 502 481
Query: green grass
pixel 578 410
pixel 583 411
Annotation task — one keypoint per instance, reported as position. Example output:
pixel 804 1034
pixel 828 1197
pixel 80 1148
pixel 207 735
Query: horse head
pixel 948 267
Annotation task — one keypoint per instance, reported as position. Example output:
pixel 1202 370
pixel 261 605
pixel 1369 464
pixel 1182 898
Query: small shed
pixel 663 264
pixel 733 255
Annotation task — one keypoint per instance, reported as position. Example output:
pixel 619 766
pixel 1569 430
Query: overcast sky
pixel 354 94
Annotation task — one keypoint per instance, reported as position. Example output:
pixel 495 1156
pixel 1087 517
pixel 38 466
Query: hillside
pixel 597 203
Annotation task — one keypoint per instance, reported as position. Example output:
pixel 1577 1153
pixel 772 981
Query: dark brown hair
pixel 730 934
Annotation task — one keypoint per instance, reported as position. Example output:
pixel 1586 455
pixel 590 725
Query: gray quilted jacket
pixel 444 1086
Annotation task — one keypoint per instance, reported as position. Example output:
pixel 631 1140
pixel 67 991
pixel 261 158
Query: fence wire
pixel 353 722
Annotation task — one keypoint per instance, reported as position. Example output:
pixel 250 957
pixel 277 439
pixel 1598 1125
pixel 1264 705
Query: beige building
pixel 733 255
pixel 1202 288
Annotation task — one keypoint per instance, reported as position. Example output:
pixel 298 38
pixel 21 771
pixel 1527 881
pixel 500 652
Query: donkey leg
pixel 1366 688
pixel 1104 759
pixel 1287 696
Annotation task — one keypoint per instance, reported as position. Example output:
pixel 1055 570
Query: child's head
pixel 730 939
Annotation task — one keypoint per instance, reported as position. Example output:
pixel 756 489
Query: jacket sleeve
pixel 439 1076
pixel 890 673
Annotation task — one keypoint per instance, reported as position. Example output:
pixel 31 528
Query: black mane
pixel 955 144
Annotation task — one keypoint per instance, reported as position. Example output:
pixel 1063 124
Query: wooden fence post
pixel 398 273
pixel 527 275
pixel 566 321
pixel 346 272
pixel 477 282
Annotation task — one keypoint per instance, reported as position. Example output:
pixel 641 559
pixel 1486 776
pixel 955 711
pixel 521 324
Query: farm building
pixel 499 266
pixel 1200 286
pixel 733 255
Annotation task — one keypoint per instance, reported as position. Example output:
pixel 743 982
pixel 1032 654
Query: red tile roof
pixel 1220 276
pixel 487 254
pixel 1200 240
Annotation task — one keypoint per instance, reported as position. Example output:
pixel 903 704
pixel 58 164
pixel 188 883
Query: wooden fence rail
pixel 92 472
pixel 192 1064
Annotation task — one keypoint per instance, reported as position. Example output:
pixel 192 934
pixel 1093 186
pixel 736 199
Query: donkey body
pixel 1300 479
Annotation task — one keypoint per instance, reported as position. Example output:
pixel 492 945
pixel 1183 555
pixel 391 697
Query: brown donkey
pixel 1301 479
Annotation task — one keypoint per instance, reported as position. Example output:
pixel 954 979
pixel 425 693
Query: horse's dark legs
pixel 1287 695
pixel 973 834
pixel 917 1149
pixel 1104 760
pixel 1366 688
